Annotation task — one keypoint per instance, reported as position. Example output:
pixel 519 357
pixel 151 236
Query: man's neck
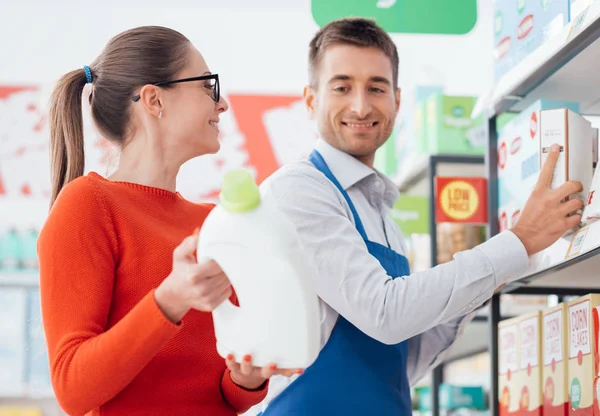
pixel 366 160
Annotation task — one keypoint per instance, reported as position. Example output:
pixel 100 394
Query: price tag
pixel 579 23
pixel 577 243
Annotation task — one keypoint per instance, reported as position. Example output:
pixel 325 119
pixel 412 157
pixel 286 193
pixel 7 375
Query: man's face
pixel 354 101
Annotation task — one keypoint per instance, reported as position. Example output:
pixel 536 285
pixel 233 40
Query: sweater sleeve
pixel 78 253
pixel 239 398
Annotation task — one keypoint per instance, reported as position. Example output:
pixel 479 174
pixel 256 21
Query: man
pixel 381 327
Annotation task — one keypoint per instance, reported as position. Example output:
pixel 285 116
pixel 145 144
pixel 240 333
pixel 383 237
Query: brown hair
pixel 354 31
pixel 131 59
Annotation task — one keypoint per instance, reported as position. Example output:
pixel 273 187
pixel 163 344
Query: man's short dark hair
pixel 354 31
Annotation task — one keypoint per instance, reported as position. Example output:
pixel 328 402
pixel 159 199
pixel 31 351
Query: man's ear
pixel 310 98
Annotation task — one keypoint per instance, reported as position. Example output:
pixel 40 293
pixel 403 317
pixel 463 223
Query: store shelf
pixel 473 341
pixel 19 279
pixel 564 69
pixel 414 171
pixel 572 262
pixel 414 177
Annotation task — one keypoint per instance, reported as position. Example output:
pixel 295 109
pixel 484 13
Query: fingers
pixel 214 301
pixel 246 365
pixel 289 372
pixel 209 268
pixel 201 272
pixel 571 206
pixel 232 365
pixel 268 371
pixel 246 368
pixel 545 178
pixel 185 250
pixel 211 293
pixel 572 221
pixel 568 188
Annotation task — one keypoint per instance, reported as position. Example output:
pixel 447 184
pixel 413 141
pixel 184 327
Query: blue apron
pixel 354 374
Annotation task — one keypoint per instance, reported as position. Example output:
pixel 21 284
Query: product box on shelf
pixel 505 17
pixel 595 146
pixel 448 119
pixel 578 6
pixel 462 397
pixel 420 127
pixel 509 383
pixel 555 359
pixel 573 134
pixel 583 355
pixel 420 96
pixel 591 211
pixel 538 21
pixel 521 26
pixel 530 364
pixel 519 160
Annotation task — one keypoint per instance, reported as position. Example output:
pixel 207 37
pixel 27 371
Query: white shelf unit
pixel 564 68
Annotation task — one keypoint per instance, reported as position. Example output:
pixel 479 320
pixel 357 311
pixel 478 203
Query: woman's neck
pixel 148 164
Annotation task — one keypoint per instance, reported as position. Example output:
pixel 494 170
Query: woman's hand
pixel 191 285
pixel 252 378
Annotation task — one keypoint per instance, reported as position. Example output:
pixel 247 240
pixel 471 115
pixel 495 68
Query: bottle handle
pixel 225 311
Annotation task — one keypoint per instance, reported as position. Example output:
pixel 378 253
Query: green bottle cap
pixel 239 192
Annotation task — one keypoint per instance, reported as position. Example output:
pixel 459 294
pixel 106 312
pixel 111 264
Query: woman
pixel 124 302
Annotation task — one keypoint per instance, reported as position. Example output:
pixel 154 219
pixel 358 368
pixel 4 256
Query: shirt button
pixel 377 184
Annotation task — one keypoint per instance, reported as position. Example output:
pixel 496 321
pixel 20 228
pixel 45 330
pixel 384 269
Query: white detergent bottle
pixel 260 251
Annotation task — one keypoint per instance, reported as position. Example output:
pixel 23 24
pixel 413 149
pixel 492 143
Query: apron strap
pixel 317 160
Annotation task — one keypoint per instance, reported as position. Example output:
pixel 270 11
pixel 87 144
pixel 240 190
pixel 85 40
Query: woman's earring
pixel 160 114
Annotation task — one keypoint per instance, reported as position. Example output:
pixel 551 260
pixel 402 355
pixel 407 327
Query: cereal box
pixel 583 355
pixel 530 364
pixel 509 387
pixel 554 349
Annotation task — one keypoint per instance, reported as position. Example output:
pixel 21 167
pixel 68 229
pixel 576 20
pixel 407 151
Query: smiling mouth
pixel 360 126
pixel 214 123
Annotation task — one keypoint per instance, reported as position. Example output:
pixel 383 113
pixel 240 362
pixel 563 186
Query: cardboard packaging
pixel 573 134
pixel 448 120
pixel 591 212
pixel 583 355
pixel 518 159
pixel 595 146
pixel 521 26
pixel 530 367
pixel 509 385
pixel 505 18
pixel 538 21
pixel 555 359
pixel 576 7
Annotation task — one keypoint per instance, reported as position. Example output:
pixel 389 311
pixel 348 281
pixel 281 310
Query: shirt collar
pixel 349 171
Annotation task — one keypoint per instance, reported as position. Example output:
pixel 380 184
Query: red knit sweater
pixel 104 248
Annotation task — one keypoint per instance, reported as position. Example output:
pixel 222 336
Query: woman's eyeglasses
pixel 216 89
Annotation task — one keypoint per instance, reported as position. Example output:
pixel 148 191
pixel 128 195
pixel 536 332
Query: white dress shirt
pixel 429 308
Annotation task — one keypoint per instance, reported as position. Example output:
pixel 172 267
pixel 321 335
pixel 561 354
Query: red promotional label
pixel 515 146
pixel 525 27
pixel 533 125
pixel 502 155
pixel 461 200
pixel 502 48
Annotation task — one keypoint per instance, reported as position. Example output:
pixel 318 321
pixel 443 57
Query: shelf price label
pixel 577 243
pixel 461 200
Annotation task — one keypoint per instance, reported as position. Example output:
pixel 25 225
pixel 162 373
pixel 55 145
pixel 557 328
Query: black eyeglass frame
pixel 216 91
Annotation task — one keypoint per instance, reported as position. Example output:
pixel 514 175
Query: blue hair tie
pixel 88 74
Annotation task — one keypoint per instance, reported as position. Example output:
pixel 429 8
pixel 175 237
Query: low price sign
pixel 461 200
